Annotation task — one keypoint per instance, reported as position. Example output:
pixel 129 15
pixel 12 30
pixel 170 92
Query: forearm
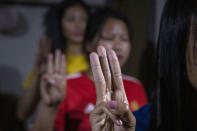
pixel 45 118
pixel 29 101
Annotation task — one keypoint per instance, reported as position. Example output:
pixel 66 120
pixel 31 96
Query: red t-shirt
pixel 74 111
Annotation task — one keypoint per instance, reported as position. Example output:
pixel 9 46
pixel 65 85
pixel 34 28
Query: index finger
pixel 99 79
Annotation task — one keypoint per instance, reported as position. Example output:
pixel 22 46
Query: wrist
pixel 49 107
pixel 38 74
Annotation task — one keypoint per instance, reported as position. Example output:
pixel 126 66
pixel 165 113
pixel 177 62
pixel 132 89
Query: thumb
pixel 43 90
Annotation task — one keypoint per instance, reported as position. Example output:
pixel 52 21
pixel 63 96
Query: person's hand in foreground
pixel 112 110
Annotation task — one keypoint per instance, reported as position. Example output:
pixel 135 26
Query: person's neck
pixel 74 48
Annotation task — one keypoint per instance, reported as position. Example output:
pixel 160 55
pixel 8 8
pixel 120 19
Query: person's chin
pixel 78 40
pixel 121 64
pixel 120 59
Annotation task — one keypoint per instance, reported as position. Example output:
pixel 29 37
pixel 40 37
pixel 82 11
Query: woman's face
pixel 115 35
pixel 191 58
pixel 74 23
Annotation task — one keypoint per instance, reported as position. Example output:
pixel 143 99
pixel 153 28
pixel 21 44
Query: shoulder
pixel 78 79
pixel 74 76
pixel 143 117
pixel 143 111
pixel 130 80
pixel 74 79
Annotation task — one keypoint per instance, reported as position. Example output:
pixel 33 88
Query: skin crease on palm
pixel 114 36
pixel 111 111
pixel 74 24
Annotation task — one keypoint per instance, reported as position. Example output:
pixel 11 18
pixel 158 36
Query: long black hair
pixel 172 105
pixel 53 26
pixel 97 20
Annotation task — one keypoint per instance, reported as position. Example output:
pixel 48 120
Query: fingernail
pixel 93 57
pixel 57 52
pixel 63 57
pixel 52 81
pixel 113 54
pixel 101 51
pixel 119 122
pixel 113 104
pixel 50 56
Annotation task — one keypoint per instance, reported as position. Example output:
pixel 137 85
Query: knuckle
pixel 100 81
pixel 95 66
pixel 117 74
pixel 114 61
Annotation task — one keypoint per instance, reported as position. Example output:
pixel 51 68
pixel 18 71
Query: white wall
pixel 17 53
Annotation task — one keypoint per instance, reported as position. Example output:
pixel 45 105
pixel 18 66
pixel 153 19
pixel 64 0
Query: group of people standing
pixel 72 92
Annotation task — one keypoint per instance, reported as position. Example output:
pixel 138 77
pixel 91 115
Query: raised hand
pixel 53 82
pixel 112 110
pixel 41 55
pixel 28 103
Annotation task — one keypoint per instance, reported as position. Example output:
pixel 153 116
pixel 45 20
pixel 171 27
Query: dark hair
pixel 97 21
pixel 53 24
pixel 171 109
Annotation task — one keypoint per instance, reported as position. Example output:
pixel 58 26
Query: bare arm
pixel 28 103
pixel 45 118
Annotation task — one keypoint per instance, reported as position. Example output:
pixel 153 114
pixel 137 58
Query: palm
pixel 111 111
pixel 53 84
